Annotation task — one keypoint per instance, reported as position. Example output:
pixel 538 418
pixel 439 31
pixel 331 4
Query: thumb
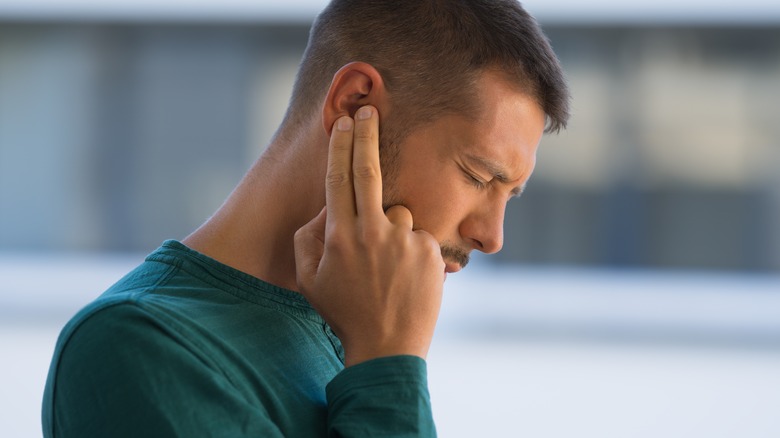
pixel 400 215
pixel 309 243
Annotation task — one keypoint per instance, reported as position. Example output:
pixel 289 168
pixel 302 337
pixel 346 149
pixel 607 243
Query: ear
pixel 354 85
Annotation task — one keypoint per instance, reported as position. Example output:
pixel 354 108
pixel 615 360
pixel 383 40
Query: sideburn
pixel 388 161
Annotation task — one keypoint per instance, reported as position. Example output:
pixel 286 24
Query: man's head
pixel 464 89
pixel 429 53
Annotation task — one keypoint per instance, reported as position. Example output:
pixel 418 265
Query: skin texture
pixel 456 175
pixel 354 242
pixel 374 273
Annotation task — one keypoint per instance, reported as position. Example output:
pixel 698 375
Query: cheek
pixel 437 204
pixel 430 188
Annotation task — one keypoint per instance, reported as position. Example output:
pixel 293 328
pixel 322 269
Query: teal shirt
pixel 186 346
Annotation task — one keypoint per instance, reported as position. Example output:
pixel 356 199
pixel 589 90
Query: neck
pixel 253 230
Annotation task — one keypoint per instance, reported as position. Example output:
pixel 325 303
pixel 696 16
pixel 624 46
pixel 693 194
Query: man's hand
pixel 374 280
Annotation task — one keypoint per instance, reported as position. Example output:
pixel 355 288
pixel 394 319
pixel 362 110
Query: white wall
pixel 521 351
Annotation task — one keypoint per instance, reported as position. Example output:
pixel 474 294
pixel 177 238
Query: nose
pixel 484 229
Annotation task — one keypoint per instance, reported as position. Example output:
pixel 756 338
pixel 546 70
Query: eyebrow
pixel 496 171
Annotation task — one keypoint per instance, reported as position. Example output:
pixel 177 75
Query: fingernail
pixel 344 124
pixel 363 113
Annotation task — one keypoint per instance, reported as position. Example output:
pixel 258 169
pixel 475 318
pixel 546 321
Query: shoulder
pixel 119 367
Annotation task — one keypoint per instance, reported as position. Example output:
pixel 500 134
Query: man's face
pixel 456 174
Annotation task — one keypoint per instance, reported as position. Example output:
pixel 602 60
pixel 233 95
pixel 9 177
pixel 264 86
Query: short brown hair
pixel 429 53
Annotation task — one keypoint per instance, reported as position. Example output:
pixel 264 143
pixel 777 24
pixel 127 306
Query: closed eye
pixel 476 182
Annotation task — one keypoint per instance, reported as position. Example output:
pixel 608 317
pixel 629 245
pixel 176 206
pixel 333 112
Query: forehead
pixel 505 129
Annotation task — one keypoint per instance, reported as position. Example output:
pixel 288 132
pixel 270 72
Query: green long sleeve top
pixel 184 346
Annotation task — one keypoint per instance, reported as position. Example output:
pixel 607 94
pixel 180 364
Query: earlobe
pixel 356 84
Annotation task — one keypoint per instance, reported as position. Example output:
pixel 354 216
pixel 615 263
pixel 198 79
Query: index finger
pixel 366 169
pixel 339 193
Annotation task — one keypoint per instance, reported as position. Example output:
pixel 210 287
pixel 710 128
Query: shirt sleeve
pixel 120 373
pixel 385 397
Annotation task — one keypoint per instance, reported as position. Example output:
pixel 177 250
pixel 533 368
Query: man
pixel 306 305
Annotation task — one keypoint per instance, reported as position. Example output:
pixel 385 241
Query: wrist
pixel 355 355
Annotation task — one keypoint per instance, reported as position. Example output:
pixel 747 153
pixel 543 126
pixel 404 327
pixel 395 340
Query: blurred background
pixel 638 292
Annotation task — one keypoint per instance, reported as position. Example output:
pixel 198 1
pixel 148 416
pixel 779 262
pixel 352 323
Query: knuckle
pixel 341 147
pixel 337 240
pixel 337 179
pixel 333 235
pixel 434 250
pixel 365 135
pixel 365 172
pixel 429 244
